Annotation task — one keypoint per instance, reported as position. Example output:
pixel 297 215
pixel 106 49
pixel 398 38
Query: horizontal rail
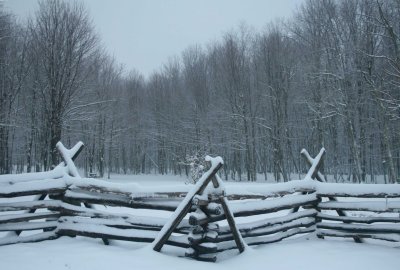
pixel 335 233
pixel 253 241
pixel 302 222
pixel 361 228
pixel 28 239
pixel 367 220
pixel 28 226
pixel 393 207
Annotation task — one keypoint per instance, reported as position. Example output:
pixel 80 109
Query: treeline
pixel 329 77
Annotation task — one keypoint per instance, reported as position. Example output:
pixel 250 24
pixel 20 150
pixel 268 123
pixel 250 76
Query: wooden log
pixel 279 191
pixel 269 206
pixel 212 227
pixel 392 207
pixel 50 186
pixel 359 194
pixel 350 219
pixel 384 237
pixel 26 217
pixel 313 172
pixel 263 191
pixel 265 207
pixel 184 207
pixel 195 239
pixel 28 226
pixel 232 224
pixel 359 190
pixel 206 258
pixel 121 200
pixel 314 163
pixel 191 253
pixel 253 241
pixel 197 230
pixel 211 236
pixel 97 186
pixel 267 222
pixel 196 217
pixel 361 228
pixel 100 231
pixel 152 223
pixel 121 223
pixel 28 205
pixel 28 239
pixel 318 176
pixel 300 223
pixel 200 200
pixel 67 158
pixel 11 179
pixel 213 209
pixel 205 248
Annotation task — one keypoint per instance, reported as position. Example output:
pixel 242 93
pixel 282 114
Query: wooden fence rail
pixel 43 206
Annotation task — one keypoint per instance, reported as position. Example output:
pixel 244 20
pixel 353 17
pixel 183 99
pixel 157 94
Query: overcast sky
pixel 143 34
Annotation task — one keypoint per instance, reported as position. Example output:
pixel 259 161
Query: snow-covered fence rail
pixel 373 211
pixel 57 203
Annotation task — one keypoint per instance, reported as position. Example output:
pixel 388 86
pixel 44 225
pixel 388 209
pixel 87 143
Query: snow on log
pixel 11 179
pixel 361 228
pixel 27 226
pixel 46 186
pixel 249 208
pixel 253 241
pixel 299 223
pixel 28 239
pixel 387 206
pixel 132 222
pixel 377 236
pixel 101 231
pixel 194 254
pixel 264 190
pixel 122 200
pixel 213 209
pixel 68 209
pixel 316 163
pixel 133 190
pixel 28 205
pixel 244 227
pixel 357 219
pixel 67 157
pixel 358 190
pixel 26 217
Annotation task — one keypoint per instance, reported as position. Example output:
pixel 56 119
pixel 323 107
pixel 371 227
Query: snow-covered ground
pixel 86 253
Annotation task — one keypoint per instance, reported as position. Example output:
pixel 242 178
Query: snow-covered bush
pixel 197 165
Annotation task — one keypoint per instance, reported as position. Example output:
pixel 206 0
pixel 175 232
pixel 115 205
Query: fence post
pixel 319 177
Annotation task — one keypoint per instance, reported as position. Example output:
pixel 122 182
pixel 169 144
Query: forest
pixel 327 77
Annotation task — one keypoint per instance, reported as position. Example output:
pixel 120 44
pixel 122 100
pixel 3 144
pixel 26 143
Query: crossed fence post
pixel 186 205
pixel 68 156
pixel 314 174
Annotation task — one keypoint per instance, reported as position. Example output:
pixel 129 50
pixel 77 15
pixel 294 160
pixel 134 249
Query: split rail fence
pixel 43 206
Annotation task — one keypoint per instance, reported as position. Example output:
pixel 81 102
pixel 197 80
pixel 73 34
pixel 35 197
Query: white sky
pixel 143 34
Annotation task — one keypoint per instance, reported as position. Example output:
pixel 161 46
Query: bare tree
pixel 62 39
